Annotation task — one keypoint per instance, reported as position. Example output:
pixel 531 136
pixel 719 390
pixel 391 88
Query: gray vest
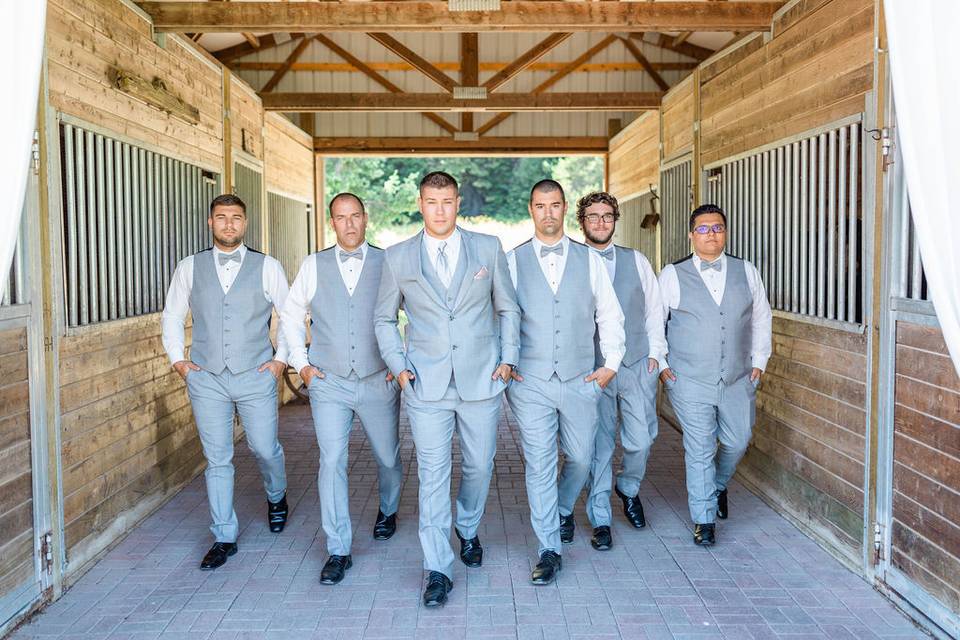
pixel 555 334
pixel 629 289
pixel 447 294
pixel 232 330
pixel 341 326
pixel 707 341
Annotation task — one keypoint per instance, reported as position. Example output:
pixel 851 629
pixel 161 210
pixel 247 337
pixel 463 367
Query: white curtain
pixel 924 53
pixel 22 51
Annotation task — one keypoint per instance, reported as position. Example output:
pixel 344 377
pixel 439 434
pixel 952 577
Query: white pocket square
pixel 483 273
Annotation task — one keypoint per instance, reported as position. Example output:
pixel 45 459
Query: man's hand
pixel 185 366
pixel 276 368
pixel 652 365
pixel 603 376
pixel 405 377
pixel 503 371
pixel 755 374
pixel 390 376
pixel 309 372
pixel 516 376
pixel 666 374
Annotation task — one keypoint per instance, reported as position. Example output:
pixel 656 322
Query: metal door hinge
pixel 46 552
pixel 48 344
pixel 35 152
pixel 877 543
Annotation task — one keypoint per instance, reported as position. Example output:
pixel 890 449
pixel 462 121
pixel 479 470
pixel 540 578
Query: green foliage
pixel 494 187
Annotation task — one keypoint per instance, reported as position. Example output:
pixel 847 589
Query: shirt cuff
pixel 176 356
pixel 760 362
pixel 663 362
pixel 613 362
pixel 510 356
pixel 298 361
pixel 281 355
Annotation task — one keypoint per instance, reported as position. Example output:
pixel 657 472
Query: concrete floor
pixel 764 578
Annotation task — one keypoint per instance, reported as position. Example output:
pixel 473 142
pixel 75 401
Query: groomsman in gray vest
pixel 231 291
pixel 565 295
pixel 345 375
pixel 718 343
pixel 461 342
pixel 631 398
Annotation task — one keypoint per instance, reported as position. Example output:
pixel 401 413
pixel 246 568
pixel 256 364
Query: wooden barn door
pixel 24 519
pixel 917 529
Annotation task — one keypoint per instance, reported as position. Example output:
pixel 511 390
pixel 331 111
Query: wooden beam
pixel 571 66
pixel 153 92
pixel 269 41
pixel 525 60
pixel 252 39
pixel 364 68
pixel 405 53
pixel 681 38
pixel 642 59
pixel 432 15
pixel 285 66
pixel 686 48
pixel 376 102
pixel 491 145
pixel 469 72
pixel 458 68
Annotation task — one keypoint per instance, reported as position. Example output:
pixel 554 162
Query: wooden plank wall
pixel 677 109
pixel 926 464
pixel 634 161
pixel 16 488
pixel 127 428
pixel 289 159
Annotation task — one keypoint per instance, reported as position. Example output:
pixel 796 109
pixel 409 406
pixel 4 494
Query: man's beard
pixel 598 239
pixel 235 242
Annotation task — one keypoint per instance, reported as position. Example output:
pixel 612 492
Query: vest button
pixel 352 347
pixel 451 317
pixel 454 347
pixel 556 362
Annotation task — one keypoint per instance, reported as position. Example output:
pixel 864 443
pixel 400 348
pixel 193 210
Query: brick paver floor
pixel 764 579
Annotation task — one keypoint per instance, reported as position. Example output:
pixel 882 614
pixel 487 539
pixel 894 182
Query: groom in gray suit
pixel 462 339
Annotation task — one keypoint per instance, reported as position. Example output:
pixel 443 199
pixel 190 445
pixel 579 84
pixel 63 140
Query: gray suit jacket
pixel 481 331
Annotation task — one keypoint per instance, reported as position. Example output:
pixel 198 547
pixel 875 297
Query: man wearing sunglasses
pixel 718 344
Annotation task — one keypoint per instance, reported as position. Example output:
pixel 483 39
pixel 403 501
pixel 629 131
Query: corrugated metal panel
pixel 291 231
pixel 248 184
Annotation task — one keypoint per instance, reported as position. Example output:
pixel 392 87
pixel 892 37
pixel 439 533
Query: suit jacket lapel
pixel 417 266
pixel 468 254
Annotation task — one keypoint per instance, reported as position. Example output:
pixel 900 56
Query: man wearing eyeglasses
pixel 718 344
pixel 631 396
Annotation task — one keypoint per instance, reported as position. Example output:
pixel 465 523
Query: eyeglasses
pixel 704 229
pixel 594 218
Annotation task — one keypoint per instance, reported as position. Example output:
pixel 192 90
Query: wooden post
pixel 227 134
pixel 695 164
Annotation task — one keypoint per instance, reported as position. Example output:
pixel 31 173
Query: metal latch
pixel 46 552
pixel 35 152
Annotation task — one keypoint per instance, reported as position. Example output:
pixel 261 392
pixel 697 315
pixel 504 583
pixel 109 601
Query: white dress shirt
pixel 177 305
pixel 297 307
pixel 653 305
pixel 716 281
pixel 609 315
pixel 452 251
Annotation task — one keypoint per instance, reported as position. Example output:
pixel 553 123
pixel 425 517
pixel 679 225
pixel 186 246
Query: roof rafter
pixel 642 59
pixel 525 60
pixel 405 53
pixel 373 102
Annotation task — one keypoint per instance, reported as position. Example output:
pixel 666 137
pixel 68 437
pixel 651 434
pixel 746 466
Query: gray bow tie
pixel 607 253
pixel 557 249
pixel 346 255
pixel 715 265
pixel 224 258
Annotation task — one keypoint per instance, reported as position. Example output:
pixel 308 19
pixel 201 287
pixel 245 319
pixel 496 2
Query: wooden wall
pixel 816 69
pixel 678 111
pixel 246 119
pixel 289 159
pixel 16 488
pixel 634 160
pixel 926 464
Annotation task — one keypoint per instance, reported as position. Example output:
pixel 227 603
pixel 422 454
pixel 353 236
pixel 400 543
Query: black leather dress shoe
pixel 601 540
pixel 385 526
pixel 703 534
pixel 547 569
pixel 722 505
pixel 438 586
pixel 471 553
pixel 334 569
pixel 277 514
pixel 633 510
pixel 218 555
pixel 567 526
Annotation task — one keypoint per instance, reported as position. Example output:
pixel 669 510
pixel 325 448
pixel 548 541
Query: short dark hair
pixel 227 200
pixel 704 209
pixel 343 195
pixel 546 186
pixel 438 180
pixel 594 198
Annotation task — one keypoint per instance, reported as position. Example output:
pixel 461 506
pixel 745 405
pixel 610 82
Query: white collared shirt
pixel 177 304
pixel 609 315
pixel 452 251
pixel 716 282
pixel 653 305
pixel 294 313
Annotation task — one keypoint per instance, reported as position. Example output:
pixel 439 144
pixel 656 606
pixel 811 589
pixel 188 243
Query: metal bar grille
pixel 16 290
pixel 130 215
pixel 794 212
pixel 248 185
pixel 909 280
pixel 676 185
pixel 290 240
